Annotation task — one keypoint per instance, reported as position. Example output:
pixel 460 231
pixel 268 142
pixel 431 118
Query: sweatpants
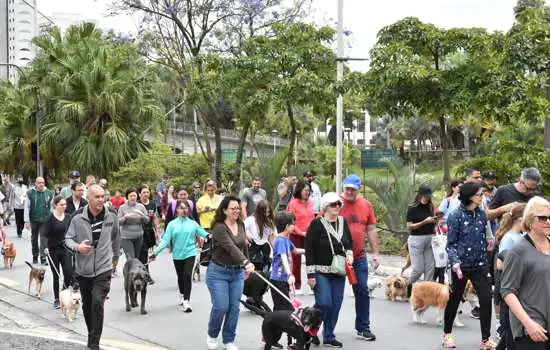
pixel 422 257
pixel 184 271
pixel 93 291
pixel 132 247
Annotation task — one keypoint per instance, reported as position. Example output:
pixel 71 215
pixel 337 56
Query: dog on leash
pixel 9 253
pixel 396 286
pixel 197 267
pixel 70 300
pixel 301 324
pixel 373 283
pixel 426 294
pixel 37 275
pixel 136 278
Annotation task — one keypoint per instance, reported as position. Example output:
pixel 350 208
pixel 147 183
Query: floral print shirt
pixel 466 242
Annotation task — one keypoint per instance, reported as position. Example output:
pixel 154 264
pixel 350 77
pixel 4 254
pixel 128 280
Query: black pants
pixel 439 275
pixel 280 303
pixel 93 291
pixel 481 284
pixel 19 221
pixel 144 255
pixel 184 270
pixel 61 262
pixel 507 339
pixel 526 343
pixel 35 235
pixel 259 255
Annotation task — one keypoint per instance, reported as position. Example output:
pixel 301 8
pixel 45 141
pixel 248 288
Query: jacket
pixel 70 205
pixel 99 259
pixel 466 241
pixel 37 209
pixel 18 197
pixel 180 234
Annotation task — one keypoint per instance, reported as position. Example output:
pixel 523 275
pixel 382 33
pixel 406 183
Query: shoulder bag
pixel 338 265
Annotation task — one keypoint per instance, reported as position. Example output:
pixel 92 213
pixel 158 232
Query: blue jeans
pixel 226 287
pixel 361 292
pixel 329 293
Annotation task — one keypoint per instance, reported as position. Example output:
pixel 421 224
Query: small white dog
pixel 70 303
pixel 373 283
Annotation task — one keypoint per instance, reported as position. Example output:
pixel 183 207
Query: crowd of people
pixel 497 239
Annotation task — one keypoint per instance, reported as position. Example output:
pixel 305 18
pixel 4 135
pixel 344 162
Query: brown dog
pixel 408 263
pixel 9 252
pixel 37 275
pixel 428 293
pixel 396 286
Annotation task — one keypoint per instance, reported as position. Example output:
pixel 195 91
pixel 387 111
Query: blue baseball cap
pixel 352 181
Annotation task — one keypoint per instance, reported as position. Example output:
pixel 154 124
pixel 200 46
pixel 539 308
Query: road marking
pixel 8 282
pixel 131 346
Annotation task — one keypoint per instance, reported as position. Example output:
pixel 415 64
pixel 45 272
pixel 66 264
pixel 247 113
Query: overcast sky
pixel 363 17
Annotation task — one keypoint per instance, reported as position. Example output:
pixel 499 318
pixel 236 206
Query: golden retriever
pixel 426 294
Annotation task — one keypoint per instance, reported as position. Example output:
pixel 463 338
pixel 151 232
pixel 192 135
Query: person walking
pixel 94 236
pixel 171 212
pixel 37 209
pixel 150 230
pixel 359 214
pixel 17 202
pixel 421 222
pixel 302 209
pixel 252 197
pixel 132 217
pixel 451 202
pixel 525 283
pixel 260 232
pixel 208 204
pixel 76 200
pixel 225 274
pixel 159 190
pixel 467 248
pixel 54 229
pixel 74 176
pixel 315 195
pixel 327 238
pixel 180 235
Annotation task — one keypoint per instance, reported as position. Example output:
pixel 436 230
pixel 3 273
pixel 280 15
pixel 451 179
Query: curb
pixel 60 339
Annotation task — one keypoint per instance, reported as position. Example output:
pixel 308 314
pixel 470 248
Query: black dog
pixel 254 289
pixel 301 325
pixel 136 278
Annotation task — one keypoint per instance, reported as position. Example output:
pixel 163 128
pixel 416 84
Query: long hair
pixel 416 202
pixel 220 216
pixel 262 219
pixel 508 220
pixel 453 184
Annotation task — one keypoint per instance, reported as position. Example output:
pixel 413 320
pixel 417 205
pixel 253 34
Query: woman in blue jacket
pixel 180 234
pixel 467 249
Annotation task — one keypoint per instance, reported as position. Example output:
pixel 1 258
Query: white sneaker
pixel 231 346
pixel 211 343
pixel 186 306
pixel 181 300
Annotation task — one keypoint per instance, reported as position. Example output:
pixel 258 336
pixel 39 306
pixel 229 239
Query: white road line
pixel 9 282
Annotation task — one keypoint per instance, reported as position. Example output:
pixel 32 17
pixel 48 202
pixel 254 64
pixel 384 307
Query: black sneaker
pixel 34 261
pixel 56 304
pixel 366 335
pixel 475 313
pixel 333 344
pixel 315 340
pixel 44 262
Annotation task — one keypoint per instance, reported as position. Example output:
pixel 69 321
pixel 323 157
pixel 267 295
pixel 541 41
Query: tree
pixel 299 68
pixel 100 100
pixel 412 73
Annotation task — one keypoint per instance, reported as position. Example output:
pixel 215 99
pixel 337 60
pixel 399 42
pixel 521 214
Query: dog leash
pixel 276 289
pixel 52 264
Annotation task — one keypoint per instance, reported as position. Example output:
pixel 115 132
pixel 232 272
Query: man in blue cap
pixel 361 219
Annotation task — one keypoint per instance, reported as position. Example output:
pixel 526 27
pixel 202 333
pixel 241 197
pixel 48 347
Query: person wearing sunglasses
pixel 525 283
pixel 328 236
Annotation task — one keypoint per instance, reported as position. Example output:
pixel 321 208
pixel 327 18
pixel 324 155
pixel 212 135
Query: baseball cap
pixel 74 174
pixel 329 198
pixel 352 181
pixel 489 175
pixel 425 190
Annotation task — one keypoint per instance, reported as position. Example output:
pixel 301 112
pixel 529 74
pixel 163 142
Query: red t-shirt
pixel 359 214
pixel 117 201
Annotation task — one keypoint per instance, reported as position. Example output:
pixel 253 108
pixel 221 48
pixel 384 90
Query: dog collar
pixel 296 316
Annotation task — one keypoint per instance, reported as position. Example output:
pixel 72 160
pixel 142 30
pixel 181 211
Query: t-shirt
pixel 282 245
pixel 251 198
pixel 448 205
pixel 251 227
pixel 206 218
pixel 303 213
pixel 359 214
pixel 508 241
pixel 283 202
pixel 417 214
pixel 54 230
pixel 507 194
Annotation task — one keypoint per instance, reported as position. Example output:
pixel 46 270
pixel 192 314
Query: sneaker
pixel 449 341
pixel 56 304
pixel 187 307
pixel 475 313
pixel 44 262
pixel 487 345
pixel 115 273
pixel 333 344
pixel 181 300
pixel 211 343
pixel 366 335
pixel 34 261
pixel 231 346
pixel 315 340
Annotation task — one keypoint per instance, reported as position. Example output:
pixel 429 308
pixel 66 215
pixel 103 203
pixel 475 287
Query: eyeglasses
pixel 335 204
pixel 235 208
pixel 184 207
pixel 527 188
pixel 543 218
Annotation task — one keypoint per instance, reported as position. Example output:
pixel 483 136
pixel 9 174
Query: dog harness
pixel 296 317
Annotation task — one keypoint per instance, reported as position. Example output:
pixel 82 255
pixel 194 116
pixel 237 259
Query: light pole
pixel 339 99
pixel 274 132
pixel 38 119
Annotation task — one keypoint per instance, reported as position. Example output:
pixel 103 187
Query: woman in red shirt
pixel 302 208
pixel 117 200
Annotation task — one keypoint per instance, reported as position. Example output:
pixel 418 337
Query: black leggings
pixel 439 275
pixel 184 270
pixel 526 343
pixel 280 303
pixel 60 258
pixel 480 281
pixel 259 255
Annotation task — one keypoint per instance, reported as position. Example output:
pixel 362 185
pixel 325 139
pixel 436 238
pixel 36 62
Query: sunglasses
pixel 543 218
pixel 335 204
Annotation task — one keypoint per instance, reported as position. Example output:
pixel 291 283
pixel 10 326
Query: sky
pixel 364 18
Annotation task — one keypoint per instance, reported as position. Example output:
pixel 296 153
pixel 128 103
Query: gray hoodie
pixel 99 259
pixel 131 227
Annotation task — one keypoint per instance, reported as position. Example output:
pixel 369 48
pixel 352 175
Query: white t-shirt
pixel 251 227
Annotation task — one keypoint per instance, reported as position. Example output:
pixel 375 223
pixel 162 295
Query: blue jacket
pixel 180 234
pixel 466 242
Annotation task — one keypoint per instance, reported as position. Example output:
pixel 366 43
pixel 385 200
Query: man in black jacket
pixel 76 201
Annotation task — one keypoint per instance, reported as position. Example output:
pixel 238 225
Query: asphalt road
pixel 166 326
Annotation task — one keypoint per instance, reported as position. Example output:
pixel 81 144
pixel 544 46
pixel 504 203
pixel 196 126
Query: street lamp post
pixel 38 119
pixel 340 99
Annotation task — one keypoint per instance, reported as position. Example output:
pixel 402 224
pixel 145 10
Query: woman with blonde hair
pixel 525 283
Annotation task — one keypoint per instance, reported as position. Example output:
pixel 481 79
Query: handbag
pixel 338 264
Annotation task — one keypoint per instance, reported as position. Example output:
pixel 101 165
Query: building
pixel 18 26
pixel 359 132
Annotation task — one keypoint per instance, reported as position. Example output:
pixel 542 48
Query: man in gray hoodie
pixel 93 236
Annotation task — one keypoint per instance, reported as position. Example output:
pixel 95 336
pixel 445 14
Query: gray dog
pixel 135 280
